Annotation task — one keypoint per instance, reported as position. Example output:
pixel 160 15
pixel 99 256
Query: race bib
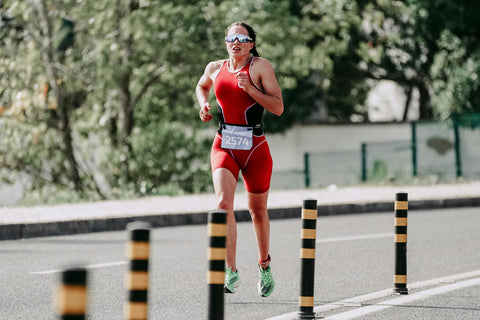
pixel 237 138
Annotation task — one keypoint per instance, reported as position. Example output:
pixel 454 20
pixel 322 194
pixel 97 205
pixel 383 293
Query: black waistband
pixel 257 128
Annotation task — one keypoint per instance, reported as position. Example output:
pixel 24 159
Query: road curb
pixel 68 227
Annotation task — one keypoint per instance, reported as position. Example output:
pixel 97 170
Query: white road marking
pixel 403 300
pixel 357 301
pixel 91 266
pixel 357 237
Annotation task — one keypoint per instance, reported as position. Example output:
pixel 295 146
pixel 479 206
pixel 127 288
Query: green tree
pixel 88 117
pixel 97 97
pixel 38 100
pixel 410 39
pixel 456 66
pixel 333 35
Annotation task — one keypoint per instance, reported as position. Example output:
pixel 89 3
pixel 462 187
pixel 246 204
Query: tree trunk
pixel 64 113
pixel 126 124
pixel 63 104
pixel 127 120
pixel 425 108
pixel 408 92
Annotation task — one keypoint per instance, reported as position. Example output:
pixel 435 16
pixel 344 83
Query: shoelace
pixel 231 275
pixel 266 277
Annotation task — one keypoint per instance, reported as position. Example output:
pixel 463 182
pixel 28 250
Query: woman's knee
pixel 224 202
pixel 257 205
pixel 225 184
pixel 258 214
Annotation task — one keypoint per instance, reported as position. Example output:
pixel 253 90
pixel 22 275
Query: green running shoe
pixel 266 283
pixel 232 280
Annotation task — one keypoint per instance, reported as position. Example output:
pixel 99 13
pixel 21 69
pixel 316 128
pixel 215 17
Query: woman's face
pixel 236 48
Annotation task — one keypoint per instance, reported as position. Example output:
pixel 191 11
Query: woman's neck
pixel 236 64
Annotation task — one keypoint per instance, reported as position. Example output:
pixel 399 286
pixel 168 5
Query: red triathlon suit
pixel 236 107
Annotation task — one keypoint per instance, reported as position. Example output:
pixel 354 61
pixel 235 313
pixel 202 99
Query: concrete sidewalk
pixel 161 211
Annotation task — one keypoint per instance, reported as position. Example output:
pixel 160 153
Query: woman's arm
pixel 271 97
pixel 202 92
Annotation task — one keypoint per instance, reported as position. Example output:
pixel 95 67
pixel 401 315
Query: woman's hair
pixel 251 34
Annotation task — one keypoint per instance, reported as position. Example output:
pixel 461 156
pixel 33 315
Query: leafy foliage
pixel 97 97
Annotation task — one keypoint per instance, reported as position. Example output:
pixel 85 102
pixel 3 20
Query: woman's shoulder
pixel 214 66
pixel 260 62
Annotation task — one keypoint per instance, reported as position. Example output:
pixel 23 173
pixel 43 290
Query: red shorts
pixel 256 164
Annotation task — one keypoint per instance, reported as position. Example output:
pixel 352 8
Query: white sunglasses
pixel 237 36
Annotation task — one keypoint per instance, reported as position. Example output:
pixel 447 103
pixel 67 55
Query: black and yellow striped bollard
pixel 71 295
pixel 401 212
pixel 307 258
pixel 136 279
pixel 217 233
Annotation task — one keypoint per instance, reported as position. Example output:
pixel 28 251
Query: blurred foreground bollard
pixel 401 212
pixel 217 233
pixel 307 258
pixel 136 280
pixel 71 296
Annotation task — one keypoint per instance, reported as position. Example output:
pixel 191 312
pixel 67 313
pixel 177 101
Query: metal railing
pixel 436 152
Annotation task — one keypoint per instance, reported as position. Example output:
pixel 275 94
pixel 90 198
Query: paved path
pixel 26 222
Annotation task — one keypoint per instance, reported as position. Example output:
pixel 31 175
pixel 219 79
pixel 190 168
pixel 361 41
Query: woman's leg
pixel 258 210
pixel 257 204
pixel 225 184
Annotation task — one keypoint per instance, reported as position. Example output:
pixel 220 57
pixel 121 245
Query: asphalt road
pixel 355 256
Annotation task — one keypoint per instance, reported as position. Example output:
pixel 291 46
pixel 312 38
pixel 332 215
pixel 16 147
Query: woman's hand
pixel 243 80
pixel 204 115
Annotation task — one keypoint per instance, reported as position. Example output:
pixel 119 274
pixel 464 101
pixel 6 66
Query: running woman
pixel 244 85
